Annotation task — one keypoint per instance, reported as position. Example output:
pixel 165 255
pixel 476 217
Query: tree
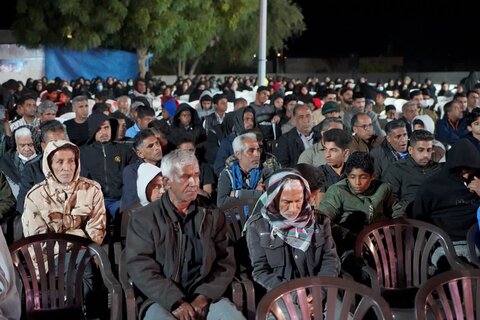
pixel 74 24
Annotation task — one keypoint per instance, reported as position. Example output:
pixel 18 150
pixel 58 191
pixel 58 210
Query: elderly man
pixel 291 145
pixel 244 178
pixel 284 239
pixel 13 162
pixel 392 149
pixel 182 275
pixel 77 128
pixel 409 111
pixel 407 175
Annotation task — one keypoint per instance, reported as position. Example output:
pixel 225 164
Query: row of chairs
pixel 395 254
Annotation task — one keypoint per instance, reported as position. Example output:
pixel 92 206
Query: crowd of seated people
pixel 324 158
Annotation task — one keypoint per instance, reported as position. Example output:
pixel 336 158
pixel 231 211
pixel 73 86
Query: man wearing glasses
pixel 363 138
pixel 358 105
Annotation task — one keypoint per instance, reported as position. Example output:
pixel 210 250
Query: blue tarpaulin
pixel 69 64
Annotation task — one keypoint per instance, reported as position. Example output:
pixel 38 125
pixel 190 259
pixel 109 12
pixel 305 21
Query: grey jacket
pixel 272 257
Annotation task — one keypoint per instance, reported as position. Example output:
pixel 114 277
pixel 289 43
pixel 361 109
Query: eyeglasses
pixel 366 126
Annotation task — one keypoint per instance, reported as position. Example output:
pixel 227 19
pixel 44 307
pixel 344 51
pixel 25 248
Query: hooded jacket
pixel 444 199
pixel 77 208
pixel 104 162
pixel 194 131
pixel 146 173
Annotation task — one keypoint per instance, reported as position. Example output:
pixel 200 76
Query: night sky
pixel 428 34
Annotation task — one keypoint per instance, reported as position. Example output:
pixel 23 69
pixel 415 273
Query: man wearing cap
pixel 104 160
pixel 331 109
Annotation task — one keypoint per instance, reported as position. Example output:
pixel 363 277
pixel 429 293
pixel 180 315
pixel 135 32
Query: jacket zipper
pixel 180 252
pixel 105 169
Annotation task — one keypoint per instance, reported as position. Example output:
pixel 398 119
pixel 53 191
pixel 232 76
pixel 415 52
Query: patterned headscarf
pixel 297 233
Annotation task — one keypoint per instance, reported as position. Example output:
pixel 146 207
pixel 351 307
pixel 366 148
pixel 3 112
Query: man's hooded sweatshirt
pixel 444 199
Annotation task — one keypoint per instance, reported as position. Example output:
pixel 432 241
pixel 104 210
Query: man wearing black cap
pixel 103 160
pixel 331 109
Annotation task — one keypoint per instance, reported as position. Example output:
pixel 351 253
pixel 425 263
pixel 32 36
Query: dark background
pixel 429 35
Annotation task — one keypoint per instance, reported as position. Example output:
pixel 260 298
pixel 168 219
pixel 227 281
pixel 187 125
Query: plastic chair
pixel 472 234
pixel 450 295
pixel 345 299
pixel 127 286
pixel 51 267
pixel 397 256
pixel 243 290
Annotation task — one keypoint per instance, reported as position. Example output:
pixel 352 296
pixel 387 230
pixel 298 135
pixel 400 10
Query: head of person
pixel 145 115
pixel 124 103
pixel 206 100
pixel 346 95
pixel 27 106
pixel 397 136
pixel 421 147
pixel 52 92
pixel 47 110
pixel 24 143
pixel 141 85
pixel 220 103
pixel 150 185
pixel 186 144
pixel 61 162
pixel 453 111
pixel 391 112
pixel 337 147
pixel 416 97
pixel 316 181
pixel 52 130
pixel 358 101
pixel 288 197
pixel 122 124
pixel 473 122
pixel 410 110
pixel 362 126
pixel 462 98
pixel 303 119
pixel 277 102
pixel 263 94
pixel 101 107
pixel 330 95
pixel 162 130
pixel 80 107
pixel 101 128
pixel 247 151
pixel 184 115
pixel 473 99
pixel 239 103
pixel 169 108
pixel 360 171
pixel 147 146
pixel 181 176
pixel 331 109
pixel 380 97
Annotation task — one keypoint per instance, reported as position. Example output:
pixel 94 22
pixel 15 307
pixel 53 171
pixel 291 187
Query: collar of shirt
pixel 307 140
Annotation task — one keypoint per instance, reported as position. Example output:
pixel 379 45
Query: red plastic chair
pixel 345 299
pixel 396 254
pixel 53 289
pixel 450 295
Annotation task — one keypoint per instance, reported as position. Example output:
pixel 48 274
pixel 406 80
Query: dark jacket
pixel 154 253
pixel 129 176
pixel 31 175
pixel 473 140
pixel 444 199
pixel 275 262
pixel 446 133
pixel 195 131
pixel 383 156
pixel 104 162
pixel 406 176
pixel 7 203
pixel 290 147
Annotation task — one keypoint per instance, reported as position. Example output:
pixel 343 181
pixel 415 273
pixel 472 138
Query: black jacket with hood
pixel 444 199
pixel 194 131
pixel 104 162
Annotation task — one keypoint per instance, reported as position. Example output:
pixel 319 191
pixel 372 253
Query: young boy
pixel 357 201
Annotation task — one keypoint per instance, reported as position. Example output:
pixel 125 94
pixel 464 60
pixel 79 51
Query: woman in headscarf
pixel 289 239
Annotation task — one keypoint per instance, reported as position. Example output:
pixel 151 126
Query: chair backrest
pixel 128 290
pixel 400 251
pixel 237 212
pixel 472 235
pixel 344 299
pixel 51 268
pixel 451 295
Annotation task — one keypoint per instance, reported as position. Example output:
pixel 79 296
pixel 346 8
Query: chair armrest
pixel 109 280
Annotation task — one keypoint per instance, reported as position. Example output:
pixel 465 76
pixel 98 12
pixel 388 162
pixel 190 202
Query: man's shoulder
pixel 90 183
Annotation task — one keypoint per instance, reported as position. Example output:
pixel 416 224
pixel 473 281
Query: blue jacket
pixel 447 134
